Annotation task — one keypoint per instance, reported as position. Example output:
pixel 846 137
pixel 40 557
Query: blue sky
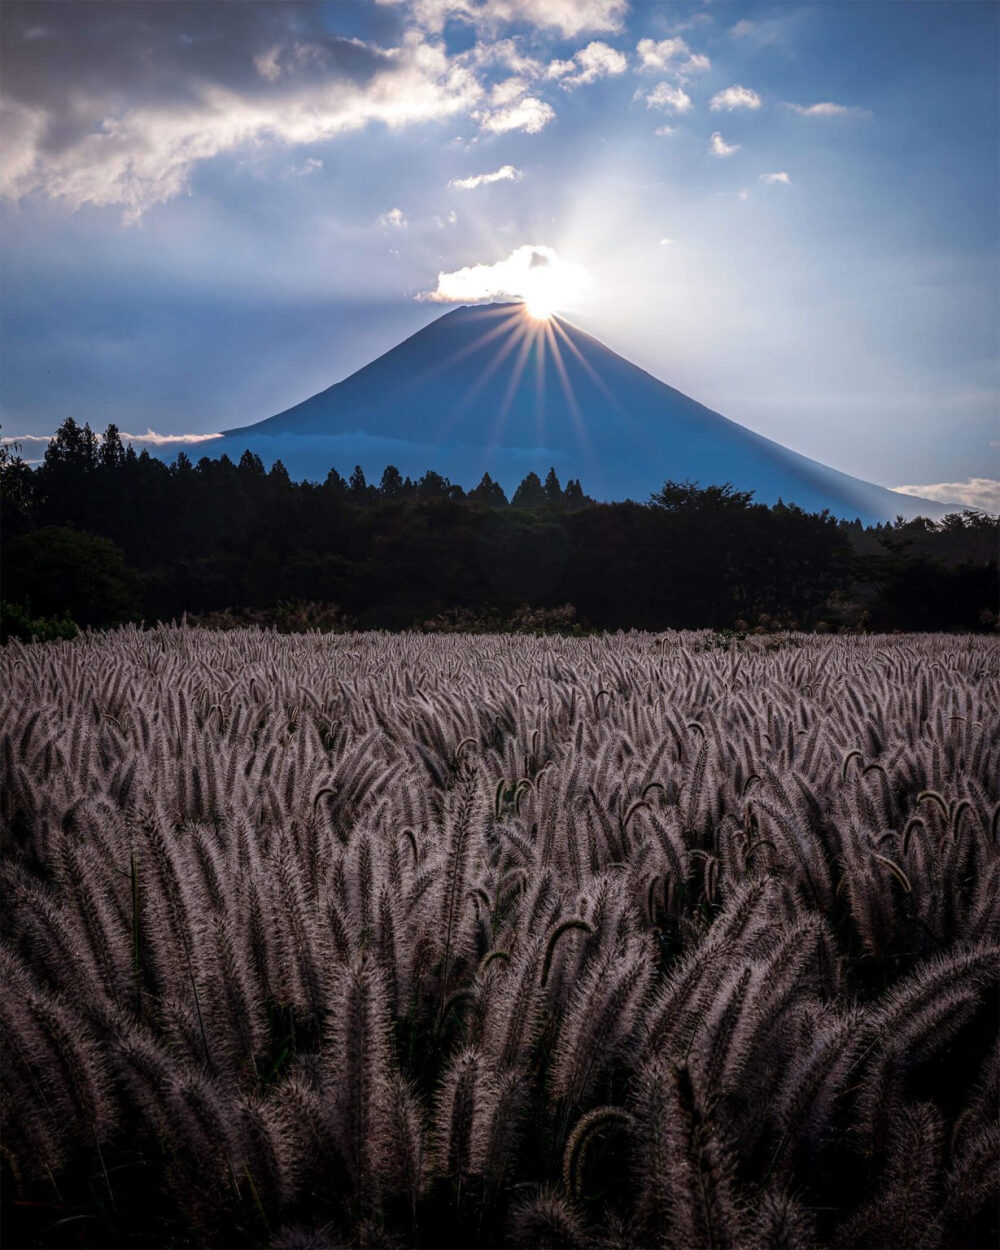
pixel 787 211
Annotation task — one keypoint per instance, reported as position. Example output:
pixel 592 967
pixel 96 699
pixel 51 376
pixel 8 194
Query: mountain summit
pixel 489 389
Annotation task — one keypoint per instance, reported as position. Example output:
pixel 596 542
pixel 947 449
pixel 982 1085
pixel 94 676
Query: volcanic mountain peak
pixel 488 388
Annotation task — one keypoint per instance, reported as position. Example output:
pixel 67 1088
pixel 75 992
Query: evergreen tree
pixel 489 493
pixel 530 494
pixel 112 453
pixel 392 485
pixel 553 491
pixel 358 486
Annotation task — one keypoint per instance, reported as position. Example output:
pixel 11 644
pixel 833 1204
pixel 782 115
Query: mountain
pixel 488 389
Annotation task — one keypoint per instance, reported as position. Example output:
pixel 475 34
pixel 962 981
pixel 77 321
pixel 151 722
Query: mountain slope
pixel 487 389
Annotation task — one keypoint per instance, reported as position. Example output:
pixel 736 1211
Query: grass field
pixel 375 939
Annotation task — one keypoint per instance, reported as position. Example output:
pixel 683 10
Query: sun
pixel 540 306
pixel 551 284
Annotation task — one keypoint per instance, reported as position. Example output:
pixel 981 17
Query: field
pixel 631 941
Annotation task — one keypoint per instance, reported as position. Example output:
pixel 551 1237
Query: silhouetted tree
pixel 489 492
pixel 530 494
pixel 391 486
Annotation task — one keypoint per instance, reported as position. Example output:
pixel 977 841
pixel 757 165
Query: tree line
pixel 98 534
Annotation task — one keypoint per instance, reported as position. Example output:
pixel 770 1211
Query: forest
pixel 99 535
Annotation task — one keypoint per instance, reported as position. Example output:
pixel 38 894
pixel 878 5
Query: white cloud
pixel 506 173
pixel 668 97
pixel 137 157
pixel 778 177
pixel 570 17
pixel 559 69
pixel 670 54
pixel 395 219
pixel 528 270
pixel 977 492
pixel 596 60
pixel 826 108
pixel 151 437
pixel 720 147
pixel 742 29
pixel 665 130
pixel 736 97
pixel 743 194
pixel 666 242
pixel 507 91
pixel 529 114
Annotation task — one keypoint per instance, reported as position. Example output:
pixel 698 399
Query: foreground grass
pixel 429 941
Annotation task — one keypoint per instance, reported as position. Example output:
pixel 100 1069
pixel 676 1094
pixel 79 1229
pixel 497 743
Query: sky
pixel 788 211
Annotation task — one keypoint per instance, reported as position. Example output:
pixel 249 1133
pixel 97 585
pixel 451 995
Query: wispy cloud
pixel 719 147
pixel 394 219
pixel 530 115
pixel 151 437
pixel 976 492
pixel 735 97
pixel 667 97
pixel 596 60
pixel 826 108
pixel 506 173
pixel 781 176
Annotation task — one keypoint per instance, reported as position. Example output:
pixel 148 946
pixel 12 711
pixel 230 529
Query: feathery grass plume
pixel 905 1213
pixel 403 1162
pixel 547 1222
pixel 359 1055
pixel 782 1223
pixel 455 1114
pixel 513 1009
pixel 461 836
pixel 575 923
pixel 598 1120
pixel 499 1125
pixel 601 1021
pixel 688 1194
pixel 56 1093
pixel 917 1017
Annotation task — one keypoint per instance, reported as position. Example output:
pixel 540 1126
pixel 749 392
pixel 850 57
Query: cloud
pixel 665 242
pixel 720 147
pixel 736 97
pixel 976 492
pixel 394 219
pixel 112 108
pixel 507 91
pixel 668 97
pixel 742 29
pixel 151 437
pixel 312 165
pixel 778 177
pixel 826 108
pixel 569 17
pixel 596 60
pixel 665 130
pixel 528 269
pixel 530 115
pixel 506 173
pixel 670 54
pixel 743 194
